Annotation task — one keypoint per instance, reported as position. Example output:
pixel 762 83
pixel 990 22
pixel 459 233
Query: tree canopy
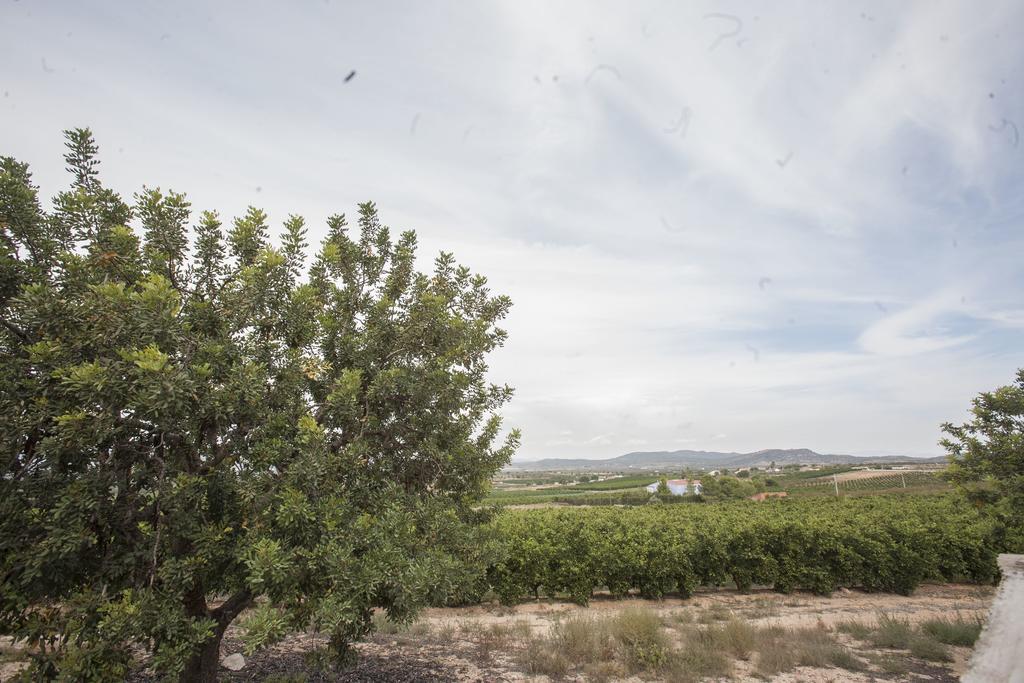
pixel 663 489
pixel 724 486
pixel 194 423
pixel 987 456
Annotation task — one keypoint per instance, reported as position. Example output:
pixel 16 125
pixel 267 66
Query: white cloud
pixel 911 331
pixel 846 158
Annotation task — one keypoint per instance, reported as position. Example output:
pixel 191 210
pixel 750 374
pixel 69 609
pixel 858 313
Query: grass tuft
pixel 857 629
pixel 381 624
pixel 845 659
pixel 763 607
pixel 600 672
pixel 683 616
pixel 419 629
pixel 959 631
pixel 700 657
pixel 892 632
pixel 538 658
pixel 583 639
pixel 636 641
pixel 774 661
pixel 890 664
pixel 738 638
pixel 715 613
pixel 926 647
pixel 640 637
pixel 814 646
pixel 446 632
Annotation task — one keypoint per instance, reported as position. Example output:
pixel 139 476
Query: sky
pixel 724 226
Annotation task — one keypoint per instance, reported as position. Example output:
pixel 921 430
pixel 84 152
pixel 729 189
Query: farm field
pixel 874 474
pixel 866 481
pixel 628 489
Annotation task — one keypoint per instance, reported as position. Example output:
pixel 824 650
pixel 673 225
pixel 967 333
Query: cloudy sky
pixel 725 226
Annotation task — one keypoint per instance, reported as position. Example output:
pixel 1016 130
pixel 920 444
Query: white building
pixel 679 487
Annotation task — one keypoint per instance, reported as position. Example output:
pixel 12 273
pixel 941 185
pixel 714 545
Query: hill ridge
pixel 730 459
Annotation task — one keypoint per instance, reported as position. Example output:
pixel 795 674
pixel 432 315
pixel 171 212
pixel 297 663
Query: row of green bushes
pixel 877 544
pixel 635 496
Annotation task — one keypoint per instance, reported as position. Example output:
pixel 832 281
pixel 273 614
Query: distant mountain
pixel 707 459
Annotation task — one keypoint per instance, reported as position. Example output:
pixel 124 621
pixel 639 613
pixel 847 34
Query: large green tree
pixel 987 457
pixel 193 423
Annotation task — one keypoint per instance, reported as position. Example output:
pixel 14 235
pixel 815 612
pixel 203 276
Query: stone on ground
pixel 233 662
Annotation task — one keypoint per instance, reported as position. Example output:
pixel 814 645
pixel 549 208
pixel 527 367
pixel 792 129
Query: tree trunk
pixel 205 662
pixel 203 666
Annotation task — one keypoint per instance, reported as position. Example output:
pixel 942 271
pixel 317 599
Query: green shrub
pixel 876 544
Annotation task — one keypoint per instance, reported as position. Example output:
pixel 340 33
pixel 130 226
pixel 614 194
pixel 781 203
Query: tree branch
pixel 232 607
pixel 221 451
pixel 14 329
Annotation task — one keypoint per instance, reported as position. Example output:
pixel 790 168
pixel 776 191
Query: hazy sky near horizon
pixel 724 226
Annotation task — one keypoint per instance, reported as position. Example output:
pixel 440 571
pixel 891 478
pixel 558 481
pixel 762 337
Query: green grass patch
pixel 700 657
pixel 959 631
pixel 715 613
pixel 738 638
pixel 892 632
pixel 857 629
pixel 774 661
pixel 890 664
pixel 845 659
pixel 926 647
pixel 538 658
pixel 641 638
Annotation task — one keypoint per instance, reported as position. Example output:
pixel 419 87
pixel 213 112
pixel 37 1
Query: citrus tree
pixel 663 489
pixel 987 457
pixel 194 425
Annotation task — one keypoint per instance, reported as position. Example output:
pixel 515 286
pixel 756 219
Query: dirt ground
pixel 796 609
pixel 455 645
pixel 760 607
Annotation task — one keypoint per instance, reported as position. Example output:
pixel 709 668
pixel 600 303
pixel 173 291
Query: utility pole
pixel 836 482
pixel 903 477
